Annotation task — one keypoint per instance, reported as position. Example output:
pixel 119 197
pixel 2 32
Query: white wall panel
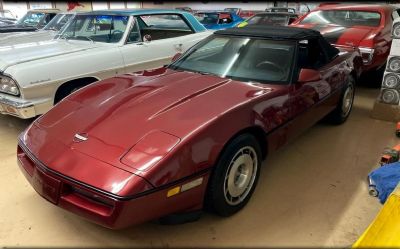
pixel 40 5
pixel 117 5
pixel 133 5
pixel 18 8
pixel 99 5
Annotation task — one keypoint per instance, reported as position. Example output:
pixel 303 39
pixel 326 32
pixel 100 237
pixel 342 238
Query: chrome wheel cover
pixel 240 176
pixel 348 98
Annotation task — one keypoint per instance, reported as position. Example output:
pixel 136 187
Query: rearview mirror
pixel 176 57
pixel 308 75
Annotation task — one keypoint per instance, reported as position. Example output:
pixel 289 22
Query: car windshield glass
pixel 96 28
pixel 208 18
pixel 240 58
pixel 58 22
pixel 281 10
pixel 270 19
pixel 344 18
pixel 31 19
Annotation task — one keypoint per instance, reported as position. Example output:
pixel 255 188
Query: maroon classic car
pixel 137 147
pixel 367 27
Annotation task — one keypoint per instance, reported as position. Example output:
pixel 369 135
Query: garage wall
pixel 18 8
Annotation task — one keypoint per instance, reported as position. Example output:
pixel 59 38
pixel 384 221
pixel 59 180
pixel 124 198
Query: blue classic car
pixel 218 19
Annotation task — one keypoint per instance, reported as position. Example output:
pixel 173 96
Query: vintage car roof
pixel 214 11
pixel 274 32
pixel 347 6
pixel 196 25
pixel 131 12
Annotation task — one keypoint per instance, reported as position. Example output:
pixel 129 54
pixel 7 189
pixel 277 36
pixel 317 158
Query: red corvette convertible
pixel 142 146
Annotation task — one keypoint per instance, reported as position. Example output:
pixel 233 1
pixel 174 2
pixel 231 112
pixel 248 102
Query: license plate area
pixel 46 186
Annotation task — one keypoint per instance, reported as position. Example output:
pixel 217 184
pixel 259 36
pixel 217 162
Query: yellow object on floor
pixel 384 231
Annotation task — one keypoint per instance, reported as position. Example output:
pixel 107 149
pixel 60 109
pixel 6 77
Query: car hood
pixel 116 113
pixel 16 54
pixel 348 36
pixel 8 39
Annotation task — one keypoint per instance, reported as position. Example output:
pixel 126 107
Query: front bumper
pixel 10 105
pixel 107 209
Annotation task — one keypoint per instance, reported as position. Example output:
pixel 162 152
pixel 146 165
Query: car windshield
pixel 58 22
pixel 96 28
pixel 240 58
pixel 208 18
pixel 281 10
pixel 346 18
pixel 269 19
pixel 31 19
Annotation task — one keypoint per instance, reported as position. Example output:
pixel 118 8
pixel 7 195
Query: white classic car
pixel 47 33
pixel 93 46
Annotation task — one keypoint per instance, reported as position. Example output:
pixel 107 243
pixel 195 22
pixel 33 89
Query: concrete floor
pixel 312 193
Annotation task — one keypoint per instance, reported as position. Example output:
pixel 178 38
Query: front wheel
pixel 235 176
pixel 343 109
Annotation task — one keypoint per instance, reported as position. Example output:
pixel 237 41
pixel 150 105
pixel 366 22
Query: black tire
pixel 65 91
pixel 339 115
pixel 218 191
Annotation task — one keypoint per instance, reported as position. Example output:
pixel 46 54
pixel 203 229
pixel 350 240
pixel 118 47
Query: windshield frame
pixel 54 20
pixel 290 76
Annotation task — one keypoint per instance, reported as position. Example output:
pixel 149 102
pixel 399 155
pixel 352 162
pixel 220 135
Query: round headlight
pixel 390 96
pixel 394 64
pixel 396 30
pixel 8 85
pixel 391 81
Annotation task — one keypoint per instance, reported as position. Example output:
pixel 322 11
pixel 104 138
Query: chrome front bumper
pixel 19 108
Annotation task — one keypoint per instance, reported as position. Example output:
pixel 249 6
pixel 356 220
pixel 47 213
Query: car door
pixel 155 39
pixel 315 97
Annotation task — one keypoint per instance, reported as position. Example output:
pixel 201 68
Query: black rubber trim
pixel 105 193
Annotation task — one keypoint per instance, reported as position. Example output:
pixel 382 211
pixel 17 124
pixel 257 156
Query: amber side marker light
pixel 187 186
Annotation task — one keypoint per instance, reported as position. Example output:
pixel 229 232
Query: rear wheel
pixel 343 109
pixel 235 176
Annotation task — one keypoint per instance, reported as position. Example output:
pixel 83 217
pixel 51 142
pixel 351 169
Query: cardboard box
pixel 386 112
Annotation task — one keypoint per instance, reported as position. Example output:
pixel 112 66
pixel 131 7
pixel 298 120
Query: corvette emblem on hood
pixel 80 137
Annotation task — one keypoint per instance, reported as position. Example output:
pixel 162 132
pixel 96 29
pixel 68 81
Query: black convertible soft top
pixel 281 33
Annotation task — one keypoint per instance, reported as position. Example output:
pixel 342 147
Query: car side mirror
pixel 308 75
pixel 147 38
pixel 176 57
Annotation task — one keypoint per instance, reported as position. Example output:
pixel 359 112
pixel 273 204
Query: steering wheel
pixel 272 65
pixel 115 32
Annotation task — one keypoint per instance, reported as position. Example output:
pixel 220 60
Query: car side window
pixel 134 34
pixel 163 26
pixel 311 55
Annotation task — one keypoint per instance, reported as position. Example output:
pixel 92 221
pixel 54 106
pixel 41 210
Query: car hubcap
pixel 347 100
pixel 240 175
